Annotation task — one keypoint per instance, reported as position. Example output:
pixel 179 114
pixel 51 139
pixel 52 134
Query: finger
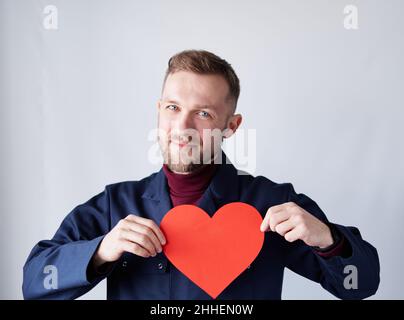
pixel 282 206
pixel 293 235
pixel 140 239
pixel 279 211
pixel 265 223
pixel 142 229
pixel 151 224
pixel 134 248
pixel 273 219
pixel 284 227
pixel 278 217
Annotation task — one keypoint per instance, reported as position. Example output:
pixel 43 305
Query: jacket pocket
pixel 140 278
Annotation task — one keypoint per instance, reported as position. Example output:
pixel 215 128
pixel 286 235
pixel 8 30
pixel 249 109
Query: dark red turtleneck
pixel 188 188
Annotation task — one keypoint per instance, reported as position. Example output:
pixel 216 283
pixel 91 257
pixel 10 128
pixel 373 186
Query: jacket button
pixel 160 266
pixel 124 263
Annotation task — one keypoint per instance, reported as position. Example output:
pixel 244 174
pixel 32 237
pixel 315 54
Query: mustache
pixel 193 139
pixel 182 141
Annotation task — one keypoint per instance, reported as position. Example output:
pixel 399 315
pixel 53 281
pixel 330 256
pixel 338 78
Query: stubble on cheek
pixel 185 158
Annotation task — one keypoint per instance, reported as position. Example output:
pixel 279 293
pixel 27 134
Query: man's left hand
pixel 294 223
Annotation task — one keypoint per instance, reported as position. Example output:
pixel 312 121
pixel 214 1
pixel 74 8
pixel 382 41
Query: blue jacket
pixel 133 277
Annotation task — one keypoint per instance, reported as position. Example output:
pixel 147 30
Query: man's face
pixel 193 109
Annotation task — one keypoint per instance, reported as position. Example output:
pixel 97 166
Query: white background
pixel 77 104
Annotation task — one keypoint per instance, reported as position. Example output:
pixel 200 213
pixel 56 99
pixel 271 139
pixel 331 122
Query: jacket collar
pixel 222 189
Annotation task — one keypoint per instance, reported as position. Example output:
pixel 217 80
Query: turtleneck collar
pixel 189 188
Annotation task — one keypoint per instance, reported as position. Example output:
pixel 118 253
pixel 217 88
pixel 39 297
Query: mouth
pixel 183 144
pixel 180 144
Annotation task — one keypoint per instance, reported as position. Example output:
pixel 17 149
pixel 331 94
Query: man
pixel 116 234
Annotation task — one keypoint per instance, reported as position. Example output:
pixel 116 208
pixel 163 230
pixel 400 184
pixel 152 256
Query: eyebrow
pixel 205 106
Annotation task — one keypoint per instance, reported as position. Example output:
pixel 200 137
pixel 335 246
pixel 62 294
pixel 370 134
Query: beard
pixel 189 157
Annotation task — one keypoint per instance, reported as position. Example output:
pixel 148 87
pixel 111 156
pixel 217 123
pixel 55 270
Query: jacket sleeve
pixel 336 274
pixel 68 254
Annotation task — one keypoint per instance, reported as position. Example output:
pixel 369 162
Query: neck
pixel 189 187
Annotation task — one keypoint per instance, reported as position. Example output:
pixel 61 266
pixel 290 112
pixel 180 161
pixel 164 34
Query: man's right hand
pixel 133 234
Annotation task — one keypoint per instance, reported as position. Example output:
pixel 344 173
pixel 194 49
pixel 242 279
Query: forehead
pixel 191 88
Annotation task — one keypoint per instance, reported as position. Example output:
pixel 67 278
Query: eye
pixel 204 114
pixel 172 107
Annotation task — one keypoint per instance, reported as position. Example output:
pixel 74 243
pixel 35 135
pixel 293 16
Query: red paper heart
pixel 212 252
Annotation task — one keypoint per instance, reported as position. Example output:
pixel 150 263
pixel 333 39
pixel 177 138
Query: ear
pixel 232 125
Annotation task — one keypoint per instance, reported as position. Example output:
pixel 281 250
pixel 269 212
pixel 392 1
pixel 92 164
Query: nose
pixel 184 122
pixel 183 128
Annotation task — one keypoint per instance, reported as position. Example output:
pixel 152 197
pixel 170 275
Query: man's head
pixel 196 109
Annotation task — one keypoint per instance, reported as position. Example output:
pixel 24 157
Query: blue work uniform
pixel 132 277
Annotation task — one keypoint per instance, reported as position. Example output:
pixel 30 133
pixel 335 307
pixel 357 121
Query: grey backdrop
pixel 77 104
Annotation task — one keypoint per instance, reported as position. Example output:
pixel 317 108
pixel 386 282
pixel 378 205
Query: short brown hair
pixel 205 62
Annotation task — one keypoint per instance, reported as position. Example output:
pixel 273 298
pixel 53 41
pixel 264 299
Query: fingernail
pixel 159 250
